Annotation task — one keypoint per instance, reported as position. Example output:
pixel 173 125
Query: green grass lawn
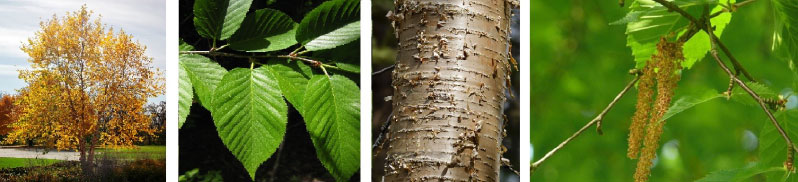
pixel 141 152
pixel 9 162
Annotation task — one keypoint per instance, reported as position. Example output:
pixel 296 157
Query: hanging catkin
pixel 667 60
pixel 645 95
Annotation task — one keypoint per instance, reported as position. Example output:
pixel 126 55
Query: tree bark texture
pixel 450 81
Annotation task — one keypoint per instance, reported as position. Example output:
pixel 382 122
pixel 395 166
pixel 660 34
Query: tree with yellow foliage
pixel 87 87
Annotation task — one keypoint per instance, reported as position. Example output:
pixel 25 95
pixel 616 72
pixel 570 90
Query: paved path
pixel 18 152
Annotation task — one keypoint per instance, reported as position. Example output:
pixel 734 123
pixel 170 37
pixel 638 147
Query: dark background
pixel 384 55
pixel 200 145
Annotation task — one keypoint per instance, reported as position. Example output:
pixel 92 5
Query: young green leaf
pixel 331 24
pixel 291 80
pixel 219 19
pixel 649 21
pixel 304 69
pixel 250 115
pixel 185 96
pixel 772 148
pixel 185 46
pixel 697 47
pixel 332 114
pixel 263 31
pixel 739 174
pixel 785 39
pixel 204 75
pixel 346 62
pixel 688 102
pixel 741 96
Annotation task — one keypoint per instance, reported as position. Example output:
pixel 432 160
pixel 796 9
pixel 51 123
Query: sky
pixel 144 19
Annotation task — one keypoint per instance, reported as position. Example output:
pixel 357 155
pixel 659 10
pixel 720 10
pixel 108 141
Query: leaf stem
pixel 595 120
pixel 221 47
pixel 303 52
pixel 325 71
pixel 294 53
pixel 313 63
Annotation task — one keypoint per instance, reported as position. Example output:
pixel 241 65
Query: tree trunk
pixel 449 85
pixel 84 165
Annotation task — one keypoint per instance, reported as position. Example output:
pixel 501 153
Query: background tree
pixel 87 87
pixel 157 113
pixel 6 107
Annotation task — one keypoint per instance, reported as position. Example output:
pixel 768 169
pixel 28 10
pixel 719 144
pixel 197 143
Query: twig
pixel 737 67
pixel 214 53
pixel 383 70
pixel 377 146
pixel 311 62
pixel 691 31
pixel 732 8
pixel 506 162
pixel 674 7
pixel 714 51
pixel 588 125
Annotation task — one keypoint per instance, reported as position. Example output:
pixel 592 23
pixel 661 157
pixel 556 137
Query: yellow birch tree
pixel 87 87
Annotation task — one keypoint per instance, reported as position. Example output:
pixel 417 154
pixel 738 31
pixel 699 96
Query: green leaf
pixel 649 21
pixel 291 80
pixel 331 24
pixel 697 47
pixel 250 115
pixel 219 19
pixel 347 62
pixel 739 174
pixel 204 75
pixel 348 66
pixel 688 102
pixel 185 96
pixel 785 38
pixel 741 96
pixel 305 69
pixel 263 31
pixel 332 114
pixel 185 46
pixel 772 148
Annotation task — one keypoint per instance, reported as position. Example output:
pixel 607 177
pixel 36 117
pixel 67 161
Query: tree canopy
pixel 87 87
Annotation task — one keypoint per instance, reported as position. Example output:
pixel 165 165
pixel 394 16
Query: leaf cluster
pixel 249 104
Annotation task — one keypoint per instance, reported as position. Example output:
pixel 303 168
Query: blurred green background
pixel 580 63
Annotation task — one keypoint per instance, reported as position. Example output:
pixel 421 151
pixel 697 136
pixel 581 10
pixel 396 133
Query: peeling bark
pixel 452 71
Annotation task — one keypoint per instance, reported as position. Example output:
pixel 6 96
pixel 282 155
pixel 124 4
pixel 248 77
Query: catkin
pixel 645 94
pixel 667 60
